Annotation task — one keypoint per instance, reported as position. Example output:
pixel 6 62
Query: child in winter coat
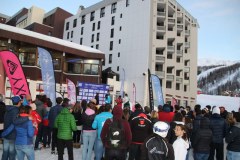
pixel 181 144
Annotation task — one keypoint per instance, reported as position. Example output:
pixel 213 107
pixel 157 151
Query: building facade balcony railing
pixel 161 14
pixel 187 32
pixel 160 74
pixel 180 80
pixel 161 1
pixel 187 44
pixel 179 14
pixel 179 27
pixel 170 77
pixel 170 48
pixel 187 69
pixel 161 28
pixel 179 52
pixel 171 20
pixel 160 59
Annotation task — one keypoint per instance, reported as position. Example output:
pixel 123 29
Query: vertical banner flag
pixel 122 79
pixel 14 73
pixel 71 90
pixel 49 86
pixel 157 90
pixel 134 97
pixel 150 90
pixel 173 103
pixel 2 78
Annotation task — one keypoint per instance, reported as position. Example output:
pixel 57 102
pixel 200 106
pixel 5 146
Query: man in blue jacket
pixel 12 111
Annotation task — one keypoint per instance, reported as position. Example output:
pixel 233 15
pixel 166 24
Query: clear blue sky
pixel 219 21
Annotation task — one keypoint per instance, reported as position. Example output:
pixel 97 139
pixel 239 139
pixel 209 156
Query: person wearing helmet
pixel 156 146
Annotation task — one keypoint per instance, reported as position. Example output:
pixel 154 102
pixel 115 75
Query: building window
pixel 92 38
pixel 118 54
pixel 97 46
pixel 127 3
pixel 98 36
pixel 111 45
pixel 119 41
pixel 92 16
pixel 83 19
pixel 113 20
pixel 67 26
pixel 93 27
pixel 82 66
pixel 117 68
pixel 110 59
pixel 99 24
pixel 178 59
pixel 81 39
pixel 114 8
pixel 82 30
pixel 177 86
pixel 71 34
pixel 67 35
pixel 168 84
pixel 185 88
pixel 102 12
pixel 27 58
pixel 169 56
pixel 112 33
pixel 120 28
pixel 121 15
pixel 74 23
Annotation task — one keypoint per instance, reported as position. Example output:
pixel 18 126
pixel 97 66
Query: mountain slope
pixel 217 80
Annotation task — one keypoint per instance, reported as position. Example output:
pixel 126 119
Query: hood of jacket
pixel 20 120
pixel 10 108
pixel 117 112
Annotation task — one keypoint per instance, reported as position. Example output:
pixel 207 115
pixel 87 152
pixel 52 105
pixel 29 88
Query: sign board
pixel 87 91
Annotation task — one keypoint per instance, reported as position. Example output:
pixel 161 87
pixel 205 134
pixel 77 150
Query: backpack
pixel 115 137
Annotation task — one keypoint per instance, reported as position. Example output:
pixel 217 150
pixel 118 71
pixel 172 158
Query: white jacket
pixel 180 147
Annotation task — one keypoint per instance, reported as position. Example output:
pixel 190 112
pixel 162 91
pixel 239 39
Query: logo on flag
pixel 11 66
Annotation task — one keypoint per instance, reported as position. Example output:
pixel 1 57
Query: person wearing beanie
pixel 166 115
pixel 121 151
pixel 219 129
pixel 156 146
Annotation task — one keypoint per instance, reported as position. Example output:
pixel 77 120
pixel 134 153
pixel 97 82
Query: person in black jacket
pixel 141 128
pixel 202 139
pixel 219 128
pixel 2 112
pixel 233 139
pixel 156 147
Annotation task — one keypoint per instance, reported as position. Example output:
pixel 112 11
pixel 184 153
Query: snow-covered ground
pixel 230 103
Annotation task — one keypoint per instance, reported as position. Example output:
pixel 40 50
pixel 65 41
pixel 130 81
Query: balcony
pixel 171 20
pixel 179 52
pixel 186 82
pixel 179 27
pixel 170 77
pixel 161 28
pixel 160 59
pixel 186 69
pixel 187 44
pixel 179 15
pixel 187 32
pixel 161 14
pixel 170 48
pixel 179 80
pixel 160 74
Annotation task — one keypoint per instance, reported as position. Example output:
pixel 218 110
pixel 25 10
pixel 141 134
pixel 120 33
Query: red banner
pixel 14 73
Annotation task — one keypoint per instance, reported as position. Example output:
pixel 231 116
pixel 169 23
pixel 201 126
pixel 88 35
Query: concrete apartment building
pixel 136 35
pixel 35 19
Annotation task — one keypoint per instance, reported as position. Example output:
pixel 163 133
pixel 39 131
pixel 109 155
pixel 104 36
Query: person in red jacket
pixel 166 115
pixel 121 151
pixel 36 119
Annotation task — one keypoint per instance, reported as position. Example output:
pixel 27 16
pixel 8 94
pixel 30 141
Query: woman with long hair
pixel 77 113
pixel 181 144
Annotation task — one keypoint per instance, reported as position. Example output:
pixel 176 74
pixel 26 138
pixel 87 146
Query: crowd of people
pixel 117 132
